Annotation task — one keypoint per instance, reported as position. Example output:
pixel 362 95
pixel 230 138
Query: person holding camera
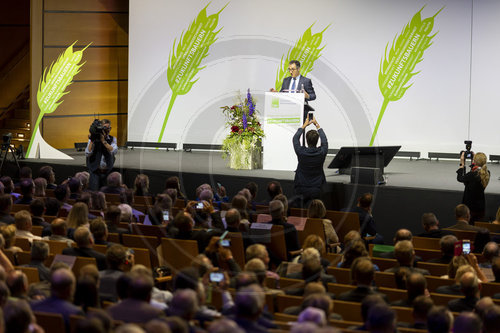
pixel 100 152
pixel 475 182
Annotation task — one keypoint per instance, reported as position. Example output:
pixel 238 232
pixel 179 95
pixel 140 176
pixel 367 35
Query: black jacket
pixel 474 191
pixel 309 172
pixel 88 253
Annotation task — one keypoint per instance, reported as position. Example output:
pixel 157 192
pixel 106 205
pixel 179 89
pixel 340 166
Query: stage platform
pixel 412 187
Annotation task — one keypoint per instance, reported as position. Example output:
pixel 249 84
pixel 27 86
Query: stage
pixel 412 187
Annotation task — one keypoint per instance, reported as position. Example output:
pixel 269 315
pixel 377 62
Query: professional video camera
pixel 468 154
pixel 96 129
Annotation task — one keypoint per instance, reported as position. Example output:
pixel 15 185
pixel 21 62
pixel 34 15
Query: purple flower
pixel 251 107
pixel 244 121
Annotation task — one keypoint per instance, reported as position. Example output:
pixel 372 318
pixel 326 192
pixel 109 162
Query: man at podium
pixel 298 83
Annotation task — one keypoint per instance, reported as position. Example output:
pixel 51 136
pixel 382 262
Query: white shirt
pixel 297 88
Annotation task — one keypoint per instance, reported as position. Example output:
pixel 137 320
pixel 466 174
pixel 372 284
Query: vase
pixel 245 155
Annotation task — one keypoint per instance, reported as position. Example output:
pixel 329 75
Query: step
pixel 17 123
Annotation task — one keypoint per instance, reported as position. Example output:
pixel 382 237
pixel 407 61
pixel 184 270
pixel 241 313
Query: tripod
pixel 7 148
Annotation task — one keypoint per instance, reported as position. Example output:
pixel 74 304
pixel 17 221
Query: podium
pixel 282 117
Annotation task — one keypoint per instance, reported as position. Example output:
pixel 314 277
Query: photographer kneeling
pixel 100 152
pixel 475 182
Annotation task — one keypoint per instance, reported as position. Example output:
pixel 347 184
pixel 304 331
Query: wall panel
pixel 87 5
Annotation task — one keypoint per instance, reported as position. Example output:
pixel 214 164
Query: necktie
pixel 293 84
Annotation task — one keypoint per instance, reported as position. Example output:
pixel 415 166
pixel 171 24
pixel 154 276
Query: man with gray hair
pixel 249 303
pixel 447 244
pixel 490 251
pixel 277 211
pixel 40 252
pixel 467 322
pixel 85 241
pixel 114 184
pixel 184 304
pixel 126 213
pixel 469 284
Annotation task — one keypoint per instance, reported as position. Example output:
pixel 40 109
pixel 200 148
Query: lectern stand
pixel 282 117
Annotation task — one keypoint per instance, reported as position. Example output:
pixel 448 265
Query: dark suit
pixel 134 311
pixel 412 270
pixel 56 305
pixel 107 285
pixel 88 253
pixel 323 278
pixel 358 294
pixel 43 271
pixel 308 87
pixel 437 233
pixel 6 218
pixel 462 225
pixel 441 260
pixel 453 289
pixel 462 304
pixel 309 175
pixel 291 235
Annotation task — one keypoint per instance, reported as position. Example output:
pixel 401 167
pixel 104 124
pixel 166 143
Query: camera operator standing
pixel 475 182
pixel 100 152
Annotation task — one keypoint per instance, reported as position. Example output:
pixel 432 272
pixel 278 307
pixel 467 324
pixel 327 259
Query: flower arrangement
pixel 244 143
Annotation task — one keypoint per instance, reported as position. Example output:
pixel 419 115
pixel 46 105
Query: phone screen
pixel 166 215
pixel 466 247
pixel 199 205
pixel 225 242
pixel 310 115
pixel 216 277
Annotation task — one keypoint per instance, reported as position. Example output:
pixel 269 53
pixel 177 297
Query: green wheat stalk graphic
pixel 183 63
pixel 396 68
pixel 54 82
pixel 306 50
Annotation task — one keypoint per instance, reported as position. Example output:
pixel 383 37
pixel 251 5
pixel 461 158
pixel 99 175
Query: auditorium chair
pixel 490 226
pixel 50 322
pixel 24 258
pixel 18 207
pixel 114 238
pixel 177 253
pixel 149 230
pixel 37 230
pixel 342 275
pixel 278 245
pixel 31 273
pixel 143 200
pixel 434 269
pixel 490 289
pixel 426 243
pixel 443 299
pixel 433 282
pixel 113 199
pixel 300 212
pixel 49 218
pixel 143 242
pixel 237 248
pixel 23 243
pixel 343 222
pixel 80 262
pixel 73 321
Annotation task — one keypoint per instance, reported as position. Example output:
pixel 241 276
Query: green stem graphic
pixel 170 105
pixel 380 115
pixel 40 116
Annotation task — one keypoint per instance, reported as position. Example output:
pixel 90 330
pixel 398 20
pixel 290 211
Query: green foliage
pixel 184 61
pixel 397 65
pixel 306 50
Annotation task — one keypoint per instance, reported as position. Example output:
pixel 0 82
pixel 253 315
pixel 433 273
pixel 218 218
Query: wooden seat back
pixel 149 230
pixel 313 227
pixel 112 198
pixel 386 280
pixel 177 253
pixel 56 247
pixel 434 269
pixel 18 207
pixel 443 299
pixel 23 243
pixel 433 282
pixel 426 243
pixel 143 200
pixel 342 275
pixel 31 273
pixel 80 262
pixel 237 248
pixel 278 244
pixel 343 222
pixel 50 322
pixel 490 226
pixel 37 230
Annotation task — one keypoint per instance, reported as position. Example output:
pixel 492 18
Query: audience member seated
pixel 141 185
pixel 254 189
pixel 491 319
pixel 155 215
pixel 467 322
pixel 23 226
pixel 126 213
pixel 462 217
pixel 9 187
pixel 48 173
pixel 52 206
pixel 483 305
pixel 127 197
pixel 469 285
pixel 25 173
pixel 416 285
pixel 9 236
pixel 310 315
pixel 316 242
pixel 273 189
pixel 184 225
pixel 185 305
pixel 234 224
pixel 62 288
pixel 312 271
pixel 78 216
pixel 366 221
pixel 84 178
pixel 224 325
pixel 40 252
pixel 401 234
pixel 207 217
pixel 99 231
pixel 354 249
pixel 240 204
pixel 456 273
pixel 37 208
pixel 381 318
pixel 159 298
pixel 221 256
pixel 18 317
pixel 98 201
pixel 59 230
pixel 174 183
pixel 5 209
pixel 447 245
pixel 75 188
pixel 430 223
pixel 276 209
pixel 86 293
pixel 136 308
pixel 439 320
pixel 495 267
pixel 40 187
pixel 258 267
pixel 368 302
pixel 490 251
pixel 17 282
pixel 249 304
pixel 362 274
pixel 117 259
pixel 62 195
pixel 317 210
pixel 27 192
pixel 84 241
pixel 421 306
pixel 260 251
pixel 405 255
pixel 114 184
pixel 112 217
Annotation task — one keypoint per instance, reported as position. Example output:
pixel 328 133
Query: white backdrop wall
pixel 444 105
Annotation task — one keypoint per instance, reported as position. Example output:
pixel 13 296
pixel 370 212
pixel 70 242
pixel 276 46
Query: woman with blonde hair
pixel 317 243
pixel 9 236
pixel 78 216
pixel 317 210
pixel 141 185
pixel 475 182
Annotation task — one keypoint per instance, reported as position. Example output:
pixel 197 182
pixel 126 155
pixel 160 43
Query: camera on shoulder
pixel 95 130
